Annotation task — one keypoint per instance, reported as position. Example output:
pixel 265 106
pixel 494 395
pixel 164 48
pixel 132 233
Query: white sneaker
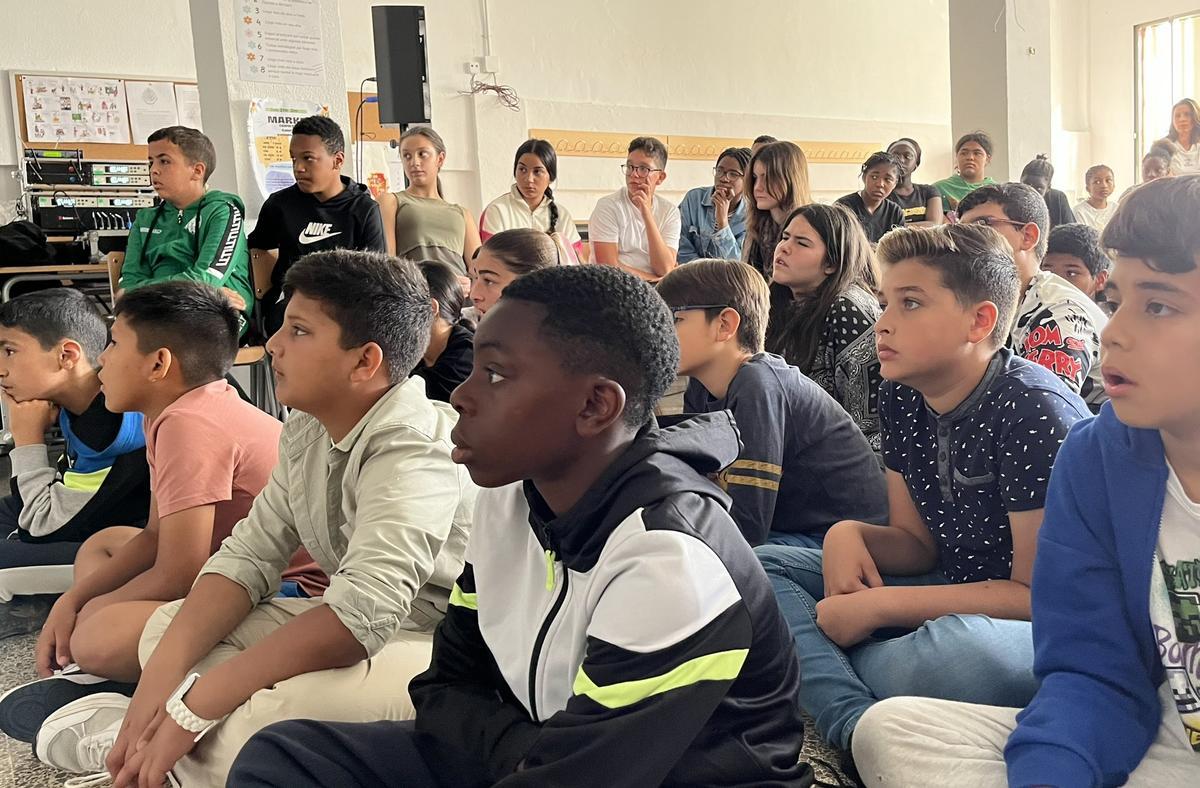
pixel 79 736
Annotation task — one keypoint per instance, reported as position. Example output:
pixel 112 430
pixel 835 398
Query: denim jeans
pixel 971 658
pixel 813 540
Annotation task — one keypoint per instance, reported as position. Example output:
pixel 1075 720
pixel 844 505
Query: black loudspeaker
pixel 400 67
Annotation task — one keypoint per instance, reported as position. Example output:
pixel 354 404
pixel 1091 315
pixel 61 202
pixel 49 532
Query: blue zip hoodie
pixel 1097 710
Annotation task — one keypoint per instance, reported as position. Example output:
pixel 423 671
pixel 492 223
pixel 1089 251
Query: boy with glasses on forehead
pixel 1057 325
pixel 633 229
pixel 714 217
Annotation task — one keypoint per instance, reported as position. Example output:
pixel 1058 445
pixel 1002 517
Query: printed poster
pixel 75 109
pixel 279 41
pixel 270 129
pixel 187 101
pixel 151 107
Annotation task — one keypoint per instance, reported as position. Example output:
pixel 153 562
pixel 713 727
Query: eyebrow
pixel 491 344
pixel 910 289
pixel 1159 287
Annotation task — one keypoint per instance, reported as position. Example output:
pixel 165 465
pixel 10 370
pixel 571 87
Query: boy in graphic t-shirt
pixel 322 210
pixel 1115 583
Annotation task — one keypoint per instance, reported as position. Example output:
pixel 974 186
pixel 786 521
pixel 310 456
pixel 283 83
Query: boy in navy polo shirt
pixel 937 602
pixel 1115 584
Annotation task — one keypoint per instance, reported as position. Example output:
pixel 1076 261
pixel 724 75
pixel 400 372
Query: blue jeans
pixel 290 588
pixel 814 540
pixel 971 658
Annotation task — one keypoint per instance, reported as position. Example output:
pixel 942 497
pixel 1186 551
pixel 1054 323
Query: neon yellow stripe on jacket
pixel 85 482
pixel 721 666
pixel 469 601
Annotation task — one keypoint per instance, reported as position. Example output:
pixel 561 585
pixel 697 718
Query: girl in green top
pixel 418 223
pixel 973 153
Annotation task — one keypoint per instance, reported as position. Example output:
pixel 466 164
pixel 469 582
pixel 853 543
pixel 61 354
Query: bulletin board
pixel 133 150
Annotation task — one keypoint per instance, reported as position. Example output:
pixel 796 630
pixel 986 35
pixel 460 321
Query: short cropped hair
pixel 1019 202
pixel 1157 223
pixel 194 144
pixel 652 147
pixel 601 320
pixel 325 128
pixel 50 316
pixel 195 321
pixel 1081 241
pixel 372 297
pixel 729 283
pixel 975 263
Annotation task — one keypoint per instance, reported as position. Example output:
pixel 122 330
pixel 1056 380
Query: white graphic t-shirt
pixel 1175 607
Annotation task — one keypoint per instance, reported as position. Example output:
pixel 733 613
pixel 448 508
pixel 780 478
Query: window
pixel 1167 69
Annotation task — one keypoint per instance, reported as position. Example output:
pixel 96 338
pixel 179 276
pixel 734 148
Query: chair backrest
pixel 114 261
pixel 262 265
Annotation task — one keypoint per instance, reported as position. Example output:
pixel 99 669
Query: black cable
pixel 358 135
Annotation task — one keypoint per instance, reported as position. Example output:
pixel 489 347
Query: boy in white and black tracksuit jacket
pixel 632 640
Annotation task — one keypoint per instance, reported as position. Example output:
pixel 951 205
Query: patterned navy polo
pixel 991 455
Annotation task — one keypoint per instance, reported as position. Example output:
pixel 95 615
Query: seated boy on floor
pixel 366 483
pixel 542 674
pixel 49 343
pixel 1074 253
pixel 195 233
pixel 970 433
pixel 209 454
pixel 804 464
pixel 1115 583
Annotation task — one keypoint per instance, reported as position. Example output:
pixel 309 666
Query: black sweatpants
pixel 297 753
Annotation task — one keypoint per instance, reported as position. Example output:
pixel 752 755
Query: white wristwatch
pixel 183 716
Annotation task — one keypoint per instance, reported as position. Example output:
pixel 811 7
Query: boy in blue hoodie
pixel 1115 583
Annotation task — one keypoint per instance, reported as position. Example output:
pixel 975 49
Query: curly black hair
pixel 1019 202
pixel 601 320
pixel 1082 241
pixel 325 128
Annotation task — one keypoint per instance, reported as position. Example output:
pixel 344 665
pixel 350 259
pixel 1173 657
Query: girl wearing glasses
pixel 828 330
pixel 418 222
pixel 714 217
pixel 530 202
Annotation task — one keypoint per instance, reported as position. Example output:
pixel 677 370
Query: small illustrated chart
pixel 279 41
pixel 75 109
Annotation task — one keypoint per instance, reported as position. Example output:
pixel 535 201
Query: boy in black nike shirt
pixel 323 210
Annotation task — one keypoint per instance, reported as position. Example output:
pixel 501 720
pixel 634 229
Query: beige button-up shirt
pixel 384 512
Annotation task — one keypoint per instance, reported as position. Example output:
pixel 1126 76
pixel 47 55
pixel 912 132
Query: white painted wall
pixel 671 66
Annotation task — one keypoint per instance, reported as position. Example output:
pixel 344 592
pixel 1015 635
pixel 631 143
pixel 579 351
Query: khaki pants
pixel 374 689
pixel 919 742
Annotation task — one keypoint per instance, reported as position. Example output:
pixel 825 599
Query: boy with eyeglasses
pixel 1057 325
pixel 633 229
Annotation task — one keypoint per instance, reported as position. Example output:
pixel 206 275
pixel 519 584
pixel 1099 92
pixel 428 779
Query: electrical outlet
pixel 472 67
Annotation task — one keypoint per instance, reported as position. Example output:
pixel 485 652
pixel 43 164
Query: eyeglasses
pixel 989 221
pixel 723 174
pixel 637 169
pixel 677 309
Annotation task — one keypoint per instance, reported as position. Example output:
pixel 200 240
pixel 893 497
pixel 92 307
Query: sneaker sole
pixel 23 709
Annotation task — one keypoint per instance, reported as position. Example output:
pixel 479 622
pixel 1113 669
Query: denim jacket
pixel 699 239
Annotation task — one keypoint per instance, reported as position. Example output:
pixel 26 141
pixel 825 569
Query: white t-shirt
pixel 617 220
pixel 510 211
pixel 1175 609
pixel 1095 218
pixel 1185 162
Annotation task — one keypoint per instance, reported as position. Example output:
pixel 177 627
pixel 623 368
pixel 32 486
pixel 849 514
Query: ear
pixel 369 362
pixel 198 171
pixel 339 159
pixel 70 355
pixel 1101 281
pixel 604 407
pixel 662 176
pixel 984 320
pixel 441 159
pixel 435 307
pixel 728 323
pixel 1030 235
pixel 163 361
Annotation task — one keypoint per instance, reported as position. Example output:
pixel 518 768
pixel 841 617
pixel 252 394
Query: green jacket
pixel 204 242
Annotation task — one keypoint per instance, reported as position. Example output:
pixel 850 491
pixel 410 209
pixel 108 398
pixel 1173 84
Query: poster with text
pixel 279 41
pixel 151 107
pixel 187 100
pixel 270 129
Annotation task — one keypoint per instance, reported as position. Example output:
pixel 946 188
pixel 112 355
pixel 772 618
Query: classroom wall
pixel 668 67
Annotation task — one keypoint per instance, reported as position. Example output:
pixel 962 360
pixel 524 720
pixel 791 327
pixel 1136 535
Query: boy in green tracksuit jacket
pixel 194 233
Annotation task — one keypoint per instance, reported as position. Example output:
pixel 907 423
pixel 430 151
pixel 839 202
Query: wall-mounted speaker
pixel 400 63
